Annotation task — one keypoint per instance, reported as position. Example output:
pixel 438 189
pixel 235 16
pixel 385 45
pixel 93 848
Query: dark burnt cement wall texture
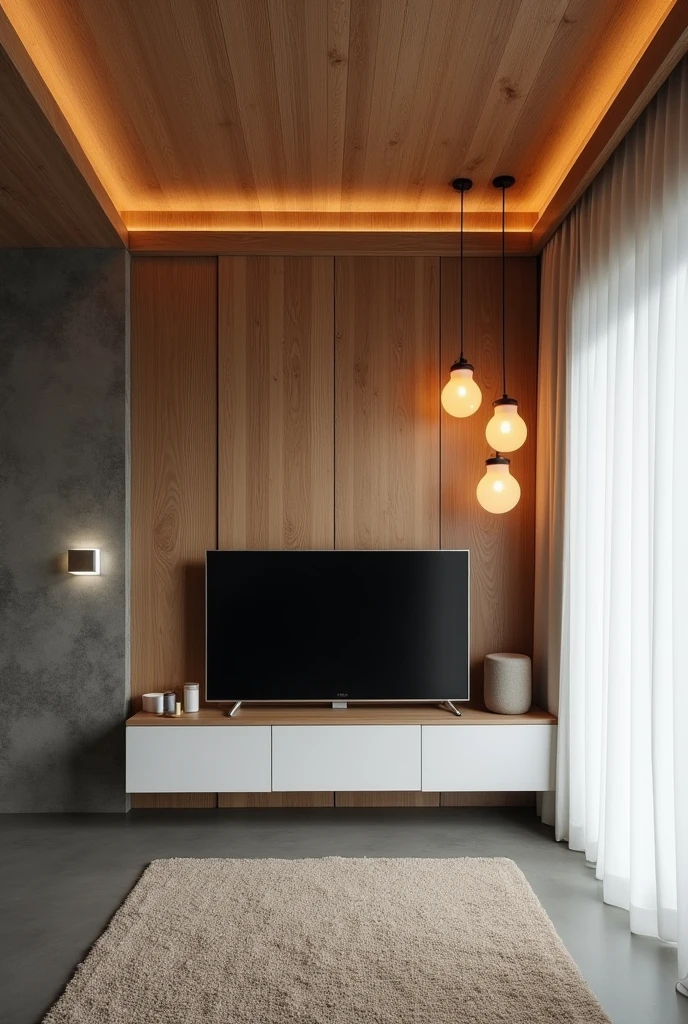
pixel 63 454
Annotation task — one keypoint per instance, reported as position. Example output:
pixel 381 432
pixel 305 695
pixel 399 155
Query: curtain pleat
pixel 611 608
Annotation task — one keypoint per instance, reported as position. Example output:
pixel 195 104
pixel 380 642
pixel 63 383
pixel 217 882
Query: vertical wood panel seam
pixel 217 402
pixel 439 392
pixel 334 402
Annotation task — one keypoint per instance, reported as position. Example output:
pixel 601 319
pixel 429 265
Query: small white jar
pixel 191 698
pixel 153 703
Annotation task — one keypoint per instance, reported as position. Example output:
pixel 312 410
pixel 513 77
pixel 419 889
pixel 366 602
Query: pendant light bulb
pixel 498 491
pixel 461 396
pixel 506 431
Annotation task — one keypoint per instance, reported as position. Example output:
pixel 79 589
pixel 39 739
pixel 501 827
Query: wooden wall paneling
pixel 275 430
pixel 515 799
pixel 174 465
pixel 178 801
pixel 387 799
pixel 387 402
pixel 502 547
pixel 175 801
pixel 242 800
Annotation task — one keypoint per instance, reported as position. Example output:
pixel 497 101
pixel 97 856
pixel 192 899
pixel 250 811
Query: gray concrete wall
pixel 63 439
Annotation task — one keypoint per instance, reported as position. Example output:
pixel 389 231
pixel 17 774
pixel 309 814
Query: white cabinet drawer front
pixel 346 757
pixel 478 758
pixel 198 759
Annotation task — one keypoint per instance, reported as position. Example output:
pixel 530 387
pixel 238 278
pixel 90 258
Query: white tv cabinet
pixel 288 748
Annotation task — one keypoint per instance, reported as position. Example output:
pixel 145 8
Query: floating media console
pixel 382 634
pixel 316 749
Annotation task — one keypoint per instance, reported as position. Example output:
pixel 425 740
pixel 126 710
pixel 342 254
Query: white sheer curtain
pixel 612 506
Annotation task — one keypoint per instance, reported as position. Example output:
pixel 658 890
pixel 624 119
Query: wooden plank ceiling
pixel 264 115
pixel 44 198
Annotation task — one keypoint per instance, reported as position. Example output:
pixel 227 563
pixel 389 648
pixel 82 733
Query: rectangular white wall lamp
pixel 83 561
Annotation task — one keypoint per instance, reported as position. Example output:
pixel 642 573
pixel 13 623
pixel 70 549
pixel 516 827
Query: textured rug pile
pixel 331 941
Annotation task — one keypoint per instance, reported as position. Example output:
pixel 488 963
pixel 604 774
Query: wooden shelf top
pixel 356 714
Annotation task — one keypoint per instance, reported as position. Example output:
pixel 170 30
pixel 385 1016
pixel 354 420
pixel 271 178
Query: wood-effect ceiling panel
pixel 44 198
pixel 240 112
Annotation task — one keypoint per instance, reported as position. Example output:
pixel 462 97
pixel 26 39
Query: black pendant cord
pixel 461 283
pixel 504 292
pixel 461 185
pixel 503 182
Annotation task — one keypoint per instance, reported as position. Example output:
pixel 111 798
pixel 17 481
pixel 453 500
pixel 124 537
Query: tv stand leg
pixel 452 707
pixel 232 713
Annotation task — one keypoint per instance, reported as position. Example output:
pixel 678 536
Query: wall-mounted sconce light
pixel 83 561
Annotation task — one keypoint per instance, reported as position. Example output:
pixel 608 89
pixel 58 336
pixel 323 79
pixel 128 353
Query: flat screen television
pixel 337 625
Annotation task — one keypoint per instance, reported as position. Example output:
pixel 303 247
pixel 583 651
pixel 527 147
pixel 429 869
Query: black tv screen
pixel 337 625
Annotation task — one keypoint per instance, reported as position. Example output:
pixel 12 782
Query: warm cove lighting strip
pixel 309 220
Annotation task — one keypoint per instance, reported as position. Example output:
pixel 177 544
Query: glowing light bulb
pixel 506 431
pixel 498 491
pixel 461 396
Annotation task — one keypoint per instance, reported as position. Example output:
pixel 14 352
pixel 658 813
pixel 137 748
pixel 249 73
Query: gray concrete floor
pixel 64 876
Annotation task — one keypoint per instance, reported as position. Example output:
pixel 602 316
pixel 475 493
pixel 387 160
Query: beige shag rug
pixel 332 941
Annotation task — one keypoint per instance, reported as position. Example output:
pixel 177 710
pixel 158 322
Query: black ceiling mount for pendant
pixel 461 185
pixel 503 182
